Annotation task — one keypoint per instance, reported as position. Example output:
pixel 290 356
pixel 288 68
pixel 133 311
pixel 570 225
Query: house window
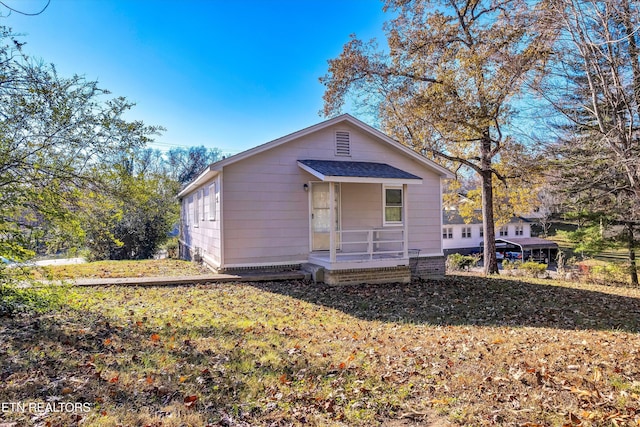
pixel 185 211
pixel 466 232
pixel 196 209
pixel 447 233
pixel 213 199
pixel 520 230
pixel 343 143
pixel 481 231
pixel 392 205
pixel 202 208
pixel 504 231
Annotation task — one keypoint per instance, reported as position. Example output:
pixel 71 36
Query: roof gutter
pixel 205 176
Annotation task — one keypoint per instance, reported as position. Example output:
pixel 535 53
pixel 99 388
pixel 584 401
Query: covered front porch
pixel 364 248
pixel 358 214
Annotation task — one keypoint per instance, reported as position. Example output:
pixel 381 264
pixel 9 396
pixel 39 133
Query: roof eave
pixel 209 173
pixel 217 166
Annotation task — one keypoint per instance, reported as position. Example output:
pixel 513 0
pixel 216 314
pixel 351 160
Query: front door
pixel 321 215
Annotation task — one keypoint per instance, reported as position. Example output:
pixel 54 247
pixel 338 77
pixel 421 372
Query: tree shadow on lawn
pixel 117 366
pixel 468 300
pixel 45 358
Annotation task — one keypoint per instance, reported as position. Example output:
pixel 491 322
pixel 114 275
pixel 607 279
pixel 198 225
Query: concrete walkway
pixel 250 276
pixel 60 261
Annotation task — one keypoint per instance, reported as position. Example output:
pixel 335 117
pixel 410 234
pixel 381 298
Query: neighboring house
pixel 340 199
pixel 513 238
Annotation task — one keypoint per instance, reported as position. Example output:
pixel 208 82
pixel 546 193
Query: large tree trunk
pixel 631 244
pixel 490 259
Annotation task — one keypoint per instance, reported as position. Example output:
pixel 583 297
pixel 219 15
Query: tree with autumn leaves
pixel 447 82
pixel 454 73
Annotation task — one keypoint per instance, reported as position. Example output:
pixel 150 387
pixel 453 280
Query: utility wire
pixel 25 13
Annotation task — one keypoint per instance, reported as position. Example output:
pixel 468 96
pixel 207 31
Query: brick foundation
pixel 268 268
pixel 400 274
pixel 427 267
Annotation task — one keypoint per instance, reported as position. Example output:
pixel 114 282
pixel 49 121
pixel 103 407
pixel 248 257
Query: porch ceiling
pixel 363 172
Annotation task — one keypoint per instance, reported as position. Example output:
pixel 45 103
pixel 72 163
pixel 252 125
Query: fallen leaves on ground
pixel 118 269
pixel 463 350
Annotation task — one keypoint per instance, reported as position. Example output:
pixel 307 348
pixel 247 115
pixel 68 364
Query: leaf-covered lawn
pixel 462 350
pixel 112 269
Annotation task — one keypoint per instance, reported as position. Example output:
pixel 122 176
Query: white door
pixel 321 214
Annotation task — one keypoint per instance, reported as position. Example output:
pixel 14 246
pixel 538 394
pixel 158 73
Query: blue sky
pixel 230 74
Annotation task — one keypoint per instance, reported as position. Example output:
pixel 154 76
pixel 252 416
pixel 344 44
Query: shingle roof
pixel 357 169
pixel 529 242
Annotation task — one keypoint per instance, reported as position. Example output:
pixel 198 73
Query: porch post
pixel 332 223
pixel 405 222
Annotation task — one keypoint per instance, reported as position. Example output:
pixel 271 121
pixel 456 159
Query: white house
pixel 461 237
pixel 339 198
pixel 513 237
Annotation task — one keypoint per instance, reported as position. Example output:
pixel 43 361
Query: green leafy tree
pixel 446 83
pixel 55 132
pixel 135 212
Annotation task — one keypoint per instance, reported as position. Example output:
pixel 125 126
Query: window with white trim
pixel 393 205
pixel 481 231
pixel 466 232
pixel 504 231
pixel 520 230
pixel 185 211
pixel 213 202
pixel 447 232
pixel 202 208
pixel 343 143
pixel 196 209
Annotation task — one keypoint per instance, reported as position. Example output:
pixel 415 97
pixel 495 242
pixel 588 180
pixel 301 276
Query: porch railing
pixel 372 243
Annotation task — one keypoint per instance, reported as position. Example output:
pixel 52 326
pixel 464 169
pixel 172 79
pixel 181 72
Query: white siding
pixel 206 236
pixel 458 242
pixel 265 208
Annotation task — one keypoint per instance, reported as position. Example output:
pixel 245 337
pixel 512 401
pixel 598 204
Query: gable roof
pixel 214 168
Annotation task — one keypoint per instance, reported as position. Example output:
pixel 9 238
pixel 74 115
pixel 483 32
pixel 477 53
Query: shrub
pixel 172 248
pixel 459 262
pixel 15 299
pixel 609 273
pixel 533 268
pixel 511 265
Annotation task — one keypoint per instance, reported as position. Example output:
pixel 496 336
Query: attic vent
pixel 343 146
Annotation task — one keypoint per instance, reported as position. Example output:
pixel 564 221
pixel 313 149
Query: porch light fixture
pixel 306 187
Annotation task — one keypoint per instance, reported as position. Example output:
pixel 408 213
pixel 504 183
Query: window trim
pixel 196 210
pixel 186 216
pixel 213 202
pixel 447 233
pixel 384 204
pixel 504 231
pixel 520 230
pixel 466 232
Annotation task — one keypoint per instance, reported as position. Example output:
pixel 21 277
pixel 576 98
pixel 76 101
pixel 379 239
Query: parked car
pixel 514 255
pixel 9 263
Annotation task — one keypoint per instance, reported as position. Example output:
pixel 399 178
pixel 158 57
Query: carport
pixel 531 248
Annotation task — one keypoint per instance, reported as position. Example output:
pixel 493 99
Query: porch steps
pixel 315 271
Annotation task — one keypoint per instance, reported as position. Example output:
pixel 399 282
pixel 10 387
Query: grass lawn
pixel 462 350
pixel 112 269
